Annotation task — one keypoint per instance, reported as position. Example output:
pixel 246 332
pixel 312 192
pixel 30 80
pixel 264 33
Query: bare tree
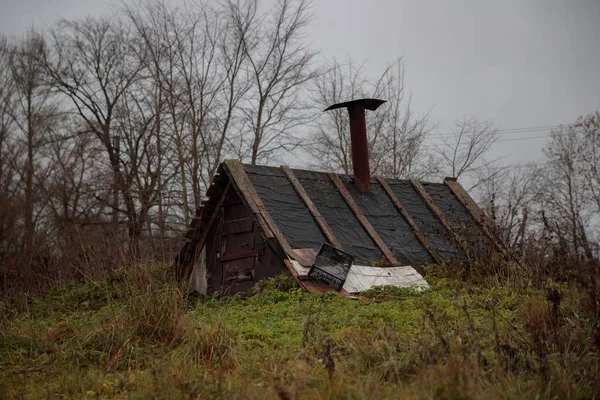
pixel 511 196
pixel 32 114
pixel 11 152
pixel 394 134
pixel 196 55
pixel 587 130
pixel 160 29
pixel 93 64
pixel 279 64
pixel 570 208
pixel 463 152
pixel 399 152
pixel 331 142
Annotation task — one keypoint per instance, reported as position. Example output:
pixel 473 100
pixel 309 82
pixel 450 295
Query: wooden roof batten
pixel 319 219
pixel 439 215
pixel 407 217
pixel 250 196
pixel 481 218
pixel 473 209
pixel 387 253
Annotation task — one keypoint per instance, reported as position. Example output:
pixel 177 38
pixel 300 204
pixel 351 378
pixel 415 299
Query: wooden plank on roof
pixel 236 169
pixel 266 222
pixel 387 253
pixel 294 273
pixel 477 213
pixel 304 256
pixel 319 219
pixel 408 218
pixel 439 215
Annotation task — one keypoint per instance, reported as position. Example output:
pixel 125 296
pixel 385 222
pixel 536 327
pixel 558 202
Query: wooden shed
pixel 262 221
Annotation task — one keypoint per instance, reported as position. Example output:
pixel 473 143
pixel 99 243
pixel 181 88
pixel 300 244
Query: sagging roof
pixel 400 222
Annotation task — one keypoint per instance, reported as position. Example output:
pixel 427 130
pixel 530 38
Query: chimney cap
pixel 369 104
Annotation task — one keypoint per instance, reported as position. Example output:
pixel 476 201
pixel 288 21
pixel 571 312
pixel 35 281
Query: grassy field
pixel 134 334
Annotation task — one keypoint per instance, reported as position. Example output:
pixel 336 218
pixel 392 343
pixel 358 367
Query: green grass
pixel 136 335
pixel 389 290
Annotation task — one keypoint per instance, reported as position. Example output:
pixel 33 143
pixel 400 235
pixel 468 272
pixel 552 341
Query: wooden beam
pixel 477 213
pixel 237 256
pixel 246 189
pixel 387 253
pixel 266 222
pixel 319 219
pixel 242 225
pixel 400 207
pixel 439 215
pixel 188 268
pixel 215 213
pixel 294 273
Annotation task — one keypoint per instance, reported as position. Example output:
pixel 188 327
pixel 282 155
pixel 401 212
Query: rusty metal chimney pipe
pixel 358 138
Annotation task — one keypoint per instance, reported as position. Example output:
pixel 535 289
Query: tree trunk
pixel 29 225
pixel 257 133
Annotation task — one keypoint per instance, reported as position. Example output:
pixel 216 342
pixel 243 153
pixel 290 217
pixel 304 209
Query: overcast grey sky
pixel 515 63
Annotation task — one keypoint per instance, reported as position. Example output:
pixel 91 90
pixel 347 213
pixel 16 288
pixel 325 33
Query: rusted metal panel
pixel 311 207
pixel 360 147
pixel 460 242
pixel 408 219
pixel 241 225
pixel 304 256
pixel 363 220
pixel 358 138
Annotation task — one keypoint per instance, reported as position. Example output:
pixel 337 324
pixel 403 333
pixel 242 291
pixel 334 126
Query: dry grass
pixel 488 331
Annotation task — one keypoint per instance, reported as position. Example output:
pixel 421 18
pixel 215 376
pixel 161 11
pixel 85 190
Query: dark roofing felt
pixel 445 239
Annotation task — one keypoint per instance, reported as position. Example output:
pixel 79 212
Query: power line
pixel 519 139
pixel 497 141
pixel 507 131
